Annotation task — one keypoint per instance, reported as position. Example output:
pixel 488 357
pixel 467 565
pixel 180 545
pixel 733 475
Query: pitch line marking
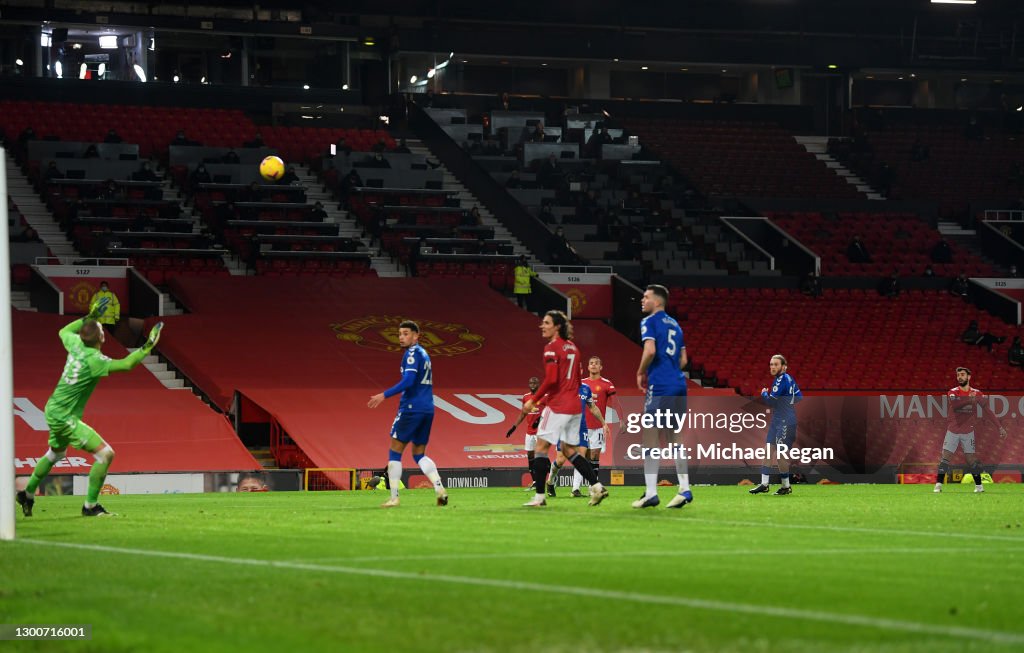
pixel 879 623
pixel 655 554
pixel 860 529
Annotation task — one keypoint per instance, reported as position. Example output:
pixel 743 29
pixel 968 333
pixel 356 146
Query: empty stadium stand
pixel 745 159
pixel 615 207
pixel 947 160
pixel 846 340
pixel 900 242
pixel 96 192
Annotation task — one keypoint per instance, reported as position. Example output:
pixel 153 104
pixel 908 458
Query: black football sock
pixel 582 464
pixel 541 465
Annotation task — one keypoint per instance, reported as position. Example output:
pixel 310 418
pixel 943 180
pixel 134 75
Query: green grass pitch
pixel 830 568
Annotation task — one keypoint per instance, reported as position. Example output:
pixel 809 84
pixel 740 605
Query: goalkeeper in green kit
pixel 84 368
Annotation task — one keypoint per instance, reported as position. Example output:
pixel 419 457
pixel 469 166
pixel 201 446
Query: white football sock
pixel 651 466
pixel 430 469
pixel 577 480
pixel 394 476
pixel 683 474
pixel 765 479
pixel 553 473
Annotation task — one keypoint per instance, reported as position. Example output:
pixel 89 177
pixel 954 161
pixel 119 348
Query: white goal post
pixel 6 368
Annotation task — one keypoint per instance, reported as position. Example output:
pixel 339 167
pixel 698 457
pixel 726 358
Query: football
pixel 271 168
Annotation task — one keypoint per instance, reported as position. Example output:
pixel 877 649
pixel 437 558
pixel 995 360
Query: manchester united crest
pixel 578 299
pixel 381 332
pixel 79 295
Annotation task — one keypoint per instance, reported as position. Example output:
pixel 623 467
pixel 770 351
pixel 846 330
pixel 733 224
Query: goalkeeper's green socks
pixel 97 475
pixel 43 468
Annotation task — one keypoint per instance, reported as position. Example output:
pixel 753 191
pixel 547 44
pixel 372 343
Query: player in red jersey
pixel 532 421
pixel 592 438
pixel 966 404
pixel 603 390
pixel 561 418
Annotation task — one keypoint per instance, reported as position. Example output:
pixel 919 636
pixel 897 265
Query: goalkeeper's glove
pixel 511 431
pixel 154 336
pixel 99 308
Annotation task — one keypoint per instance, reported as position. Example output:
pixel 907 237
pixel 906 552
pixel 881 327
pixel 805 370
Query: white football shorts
pixel 954 439
pixel 531 443
pixel 559 426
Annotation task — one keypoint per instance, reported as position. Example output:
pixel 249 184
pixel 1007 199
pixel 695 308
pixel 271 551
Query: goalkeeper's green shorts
pixel 71 431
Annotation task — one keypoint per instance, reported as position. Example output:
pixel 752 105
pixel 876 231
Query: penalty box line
pixel 878 623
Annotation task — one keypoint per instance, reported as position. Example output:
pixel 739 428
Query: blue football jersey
pixel 586 397
pixel 783 397
pixel 417 396
pixel 664 377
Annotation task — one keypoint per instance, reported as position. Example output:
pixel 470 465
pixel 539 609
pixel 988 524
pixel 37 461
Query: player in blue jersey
pixel 415 413
pixel 661 376
pixel 782 398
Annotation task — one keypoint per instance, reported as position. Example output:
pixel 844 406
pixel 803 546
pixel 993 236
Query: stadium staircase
pixel 166 376
pixel 37 215
pixel 742 158
pixel 967 240
pixel 467 200
pixel 711 249
pixel 921 159
pixel 171 305
pixel 348 227
pixel 818 146
pixel 264 456
pixel 21 300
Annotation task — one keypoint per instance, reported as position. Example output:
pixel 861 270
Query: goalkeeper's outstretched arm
pixel 73 328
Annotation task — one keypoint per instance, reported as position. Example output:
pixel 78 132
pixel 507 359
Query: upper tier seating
pixel 742 159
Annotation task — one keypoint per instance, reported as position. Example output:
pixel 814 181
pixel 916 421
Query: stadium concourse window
pixel 127 53
pixel 267 61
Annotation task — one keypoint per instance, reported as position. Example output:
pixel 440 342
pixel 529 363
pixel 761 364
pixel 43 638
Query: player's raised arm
pixel 72 329
pixel 132 360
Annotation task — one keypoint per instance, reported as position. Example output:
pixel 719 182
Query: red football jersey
pixel 531 418
pixel 603 390
pixel 562 358
pixel 963 409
